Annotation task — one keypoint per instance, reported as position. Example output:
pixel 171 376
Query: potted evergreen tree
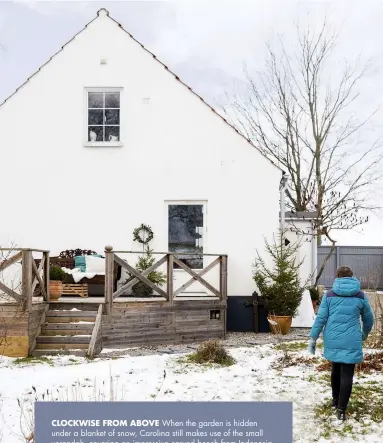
pixel 279 284
pixel 56 278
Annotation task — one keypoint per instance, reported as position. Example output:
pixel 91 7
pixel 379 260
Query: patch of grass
pixel 312 378
pixel 293 346
pixel 330 430
pixel 306 361
pixel 73 361
pixel 323 410
pixel 33 361
pixel 325 378
pixel 288 360
pixel 211 352
pixel 282 362
pixel 366 404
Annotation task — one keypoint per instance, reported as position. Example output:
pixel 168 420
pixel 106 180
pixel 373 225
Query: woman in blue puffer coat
pixel 339 315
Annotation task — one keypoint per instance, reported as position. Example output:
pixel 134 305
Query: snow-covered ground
pixel 165 377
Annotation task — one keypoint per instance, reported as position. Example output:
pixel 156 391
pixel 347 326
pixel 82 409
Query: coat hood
pixel 346 286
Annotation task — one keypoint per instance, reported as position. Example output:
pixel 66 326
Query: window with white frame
pixel 103 123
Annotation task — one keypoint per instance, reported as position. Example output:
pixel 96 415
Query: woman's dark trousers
pixel 342 375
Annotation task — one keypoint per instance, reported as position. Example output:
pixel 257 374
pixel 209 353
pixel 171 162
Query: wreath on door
pixel 143 234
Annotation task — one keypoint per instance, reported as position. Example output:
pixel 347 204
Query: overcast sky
pixel 205 42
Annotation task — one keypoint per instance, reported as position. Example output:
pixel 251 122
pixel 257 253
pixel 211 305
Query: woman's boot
pixel 341 414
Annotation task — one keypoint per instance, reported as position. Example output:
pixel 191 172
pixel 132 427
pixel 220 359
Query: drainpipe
pixel 314 257
pixel 282 190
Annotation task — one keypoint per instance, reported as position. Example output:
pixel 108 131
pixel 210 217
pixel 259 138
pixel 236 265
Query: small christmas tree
pixel 279 284
pixel 145 261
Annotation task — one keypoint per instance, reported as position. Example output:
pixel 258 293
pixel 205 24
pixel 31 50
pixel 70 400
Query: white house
pixel 104 137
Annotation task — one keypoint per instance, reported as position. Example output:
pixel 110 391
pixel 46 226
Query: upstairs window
pixel 103 116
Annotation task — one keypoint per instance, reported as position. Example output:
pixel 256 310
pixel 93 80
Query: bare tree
pixel 305 120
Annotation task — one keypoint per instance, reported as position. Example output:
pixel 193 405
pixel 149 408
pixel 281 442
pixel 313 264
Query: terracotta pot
pixel 283 324
pixel 55 289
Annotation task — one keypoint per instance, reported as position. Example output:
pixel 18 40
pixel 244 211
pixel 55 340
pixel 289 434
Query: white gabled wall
pixel 60 194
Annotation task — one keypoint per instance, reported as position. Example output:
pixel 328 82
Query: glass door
pixel 186 233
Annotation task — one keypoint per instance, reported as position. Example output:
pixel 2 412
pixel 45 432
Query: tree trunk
pixel 325 262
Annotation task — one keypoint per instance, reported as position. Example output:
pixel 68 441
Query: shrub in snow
pixel 212 352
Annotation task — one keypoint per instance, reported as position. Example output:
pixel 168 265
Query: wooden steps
pixel 64 316
pixel 68 306
pixel 48 352
pixel 62 346
pixel 67 330
pixel 64 339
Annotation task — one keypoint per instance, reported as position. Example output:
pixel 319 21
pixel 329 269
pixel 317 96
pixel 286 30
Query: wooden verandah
pixel 119 319
pixel 21 313
pixel 168 259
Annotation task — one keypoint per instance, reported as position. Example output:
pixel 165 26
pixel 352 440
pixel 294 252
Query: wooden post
pixel 46 278
pixel 223 286
pixel 95 333
pixel 27 279
pixel 170 278
pixel 223 277
pixel 109 277
pixel 255 313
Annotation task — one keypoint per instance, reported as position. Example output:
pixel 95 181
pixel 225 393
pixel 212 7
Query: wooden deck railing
pixel 169 258
pixel 31 275
pixel 95 334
